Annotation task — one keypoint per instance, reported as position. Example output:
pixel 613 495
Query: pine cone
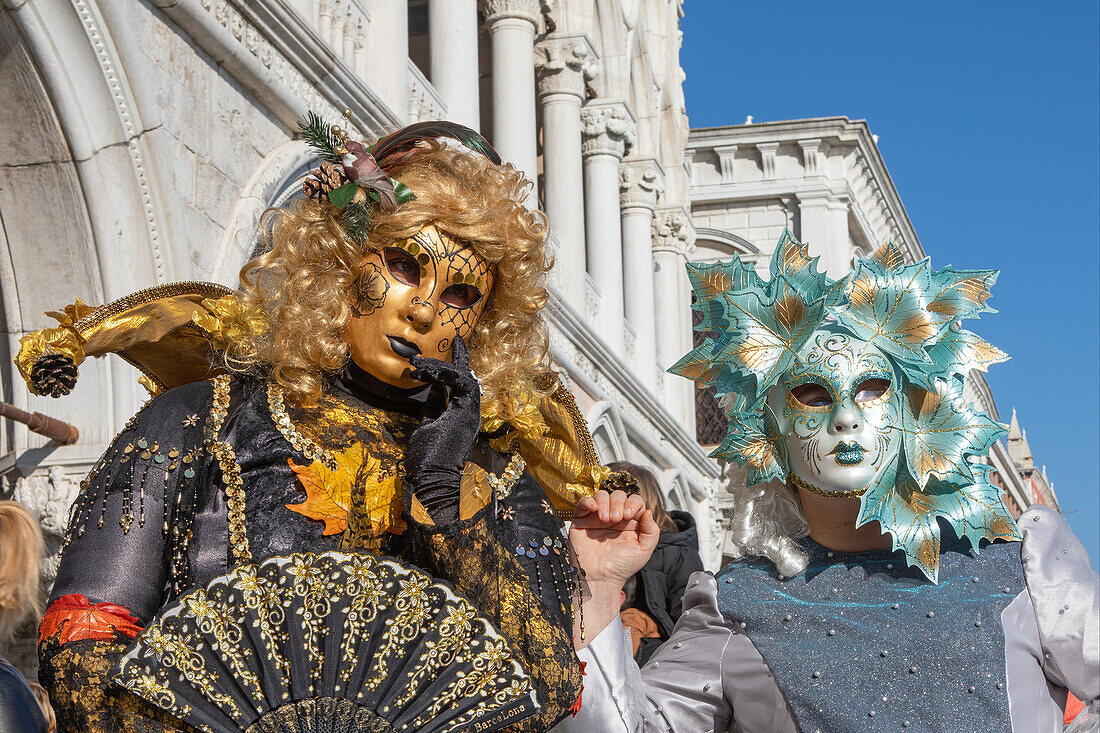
pixel 327 178
pixel 311 187
pixel 620 481
pixel 53 375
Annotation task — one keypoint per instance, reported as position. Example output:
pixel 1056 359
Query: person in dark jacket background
pixel 663 580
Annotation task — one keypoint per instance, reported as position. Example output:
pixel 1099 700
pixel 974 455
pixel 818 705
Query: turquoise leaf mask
pixel 941 430
pixel 924 449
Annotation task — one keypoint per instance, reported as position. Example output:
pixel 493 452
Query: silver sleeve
pixel 707 677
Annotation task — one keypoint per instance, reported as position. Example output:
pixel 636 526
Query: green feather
pixel 407 138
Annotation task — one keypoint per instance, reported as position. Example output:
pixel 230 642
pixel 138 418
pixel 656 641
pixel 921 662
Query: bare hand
pixel 613 536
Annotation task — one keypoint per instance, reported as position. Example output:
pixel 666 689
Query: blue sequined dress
pixel 860 642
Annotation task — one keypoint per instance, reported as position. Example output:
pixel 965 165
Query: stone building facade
pixel 144 138
pixel 825 180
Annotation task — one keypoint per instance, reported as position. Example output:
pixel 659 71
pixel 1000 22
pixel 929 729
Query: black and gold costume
pixel 202 478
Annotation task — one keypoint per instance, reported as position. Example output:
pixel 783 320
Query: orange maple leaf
pixel 329 492
pixel 73 617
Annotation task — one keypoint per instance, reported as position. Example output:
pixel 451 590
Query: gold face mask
pixel 413 298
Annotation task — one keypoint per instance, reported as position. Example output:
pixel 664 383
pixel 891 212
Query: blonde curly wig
pixel 302 283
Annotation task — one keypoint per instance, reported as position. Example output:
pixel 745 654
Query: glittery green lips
pixel 848 454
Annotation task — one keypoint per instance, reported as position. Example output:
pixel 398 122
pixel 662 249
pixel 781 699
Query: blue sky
pixel 987 117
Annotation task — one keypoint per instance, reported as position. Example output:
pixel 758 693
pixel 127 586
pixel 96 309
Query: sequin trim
pixel 822 492
pixel 503 484
pixel 302 444
pixel 231 472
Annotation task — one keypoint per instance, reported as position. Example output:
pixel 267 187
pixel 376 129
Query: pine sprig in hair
pixel 319 136
pixel 355 219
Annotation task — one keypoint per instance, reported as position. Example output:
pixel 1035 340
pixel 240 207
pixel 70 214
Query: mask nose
pixel 420 314
pixel 845 419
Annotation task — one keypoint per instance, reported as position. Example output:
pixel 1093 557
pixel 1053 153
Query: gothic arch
pixel 89 191
pixel 68 203
pixel 676 496
pixel 276 182
pixel 712 244
pixel 607 431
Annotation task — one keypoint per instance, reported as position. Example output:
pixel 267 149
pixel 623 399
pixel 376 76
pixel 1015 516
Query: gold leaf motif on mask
pixel 973 289
pixel 716 282
pixel 918 327
pixel 795 257
pixel 759 453
pixel 888 255
pixel 862 293
pixel 928 554
pixel 923 402
pixel 789 311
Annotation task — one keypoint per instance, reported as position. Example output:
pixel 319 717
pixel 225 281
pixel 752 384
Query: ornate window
pixel 710 418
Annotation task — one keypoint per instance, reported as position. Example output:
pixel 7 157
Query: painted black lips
pixel 404 349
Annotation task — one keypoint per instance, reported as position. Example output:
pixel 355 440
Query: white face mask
pixel 837 412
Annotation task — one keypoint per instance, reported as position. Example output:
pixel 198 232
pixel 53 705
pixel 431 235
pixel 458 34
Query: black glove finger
pixel 460 380
pixel 460 353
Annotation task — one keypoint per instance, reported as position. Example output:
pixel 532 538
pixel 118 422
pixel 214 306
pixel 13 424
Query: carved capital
pixel 726 155
pixel 496 10
pixel 641 181
pixel 673 232
pixel 47 495
pixel 607 129
pixel 563 63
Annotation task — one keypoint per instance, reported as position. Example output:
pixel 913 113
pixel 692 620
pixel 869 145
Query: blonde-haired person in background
pixel 661 583
pixel 20 551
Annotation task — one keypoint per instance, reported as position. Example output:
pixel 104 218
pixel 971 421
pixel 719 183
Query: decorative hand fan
pixel 328 642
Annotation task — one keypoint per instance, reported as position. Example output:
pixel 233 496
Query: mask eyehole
pixel 402 265
pixel 461 296
pixel 812 395
pixel 871 389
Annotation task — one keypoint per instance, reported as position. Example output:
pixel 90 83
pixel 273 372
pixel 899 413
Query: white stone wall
pixel 144 139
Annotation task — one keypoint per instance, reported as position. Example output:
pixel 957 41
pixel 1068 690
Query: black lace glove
pixel 439 447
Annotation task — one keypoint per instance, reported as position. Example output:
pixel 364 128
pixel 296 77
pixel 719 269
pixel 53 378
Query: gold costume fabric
pixel 263 479
pixel 78 677
pixel 471 555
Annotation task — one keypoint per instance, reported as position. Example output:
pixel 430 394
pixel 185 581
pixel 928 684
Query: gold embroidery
pixel 313 585
pixel 365 586
pixel 216 621
pixel 410 637
pixel 502 485
pixel 413 609
pixel 354 480
pixel 174 653
pixel 231 472
pixel 262 595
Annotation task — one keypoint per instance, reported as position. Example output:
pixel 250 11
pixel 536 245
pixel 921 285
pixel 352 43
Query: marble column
pixel 608 127
pixel 564 64
pixel 640 182
pixel 673 243
pixel 452 39
pixel 388 53
pixel 823 226
pixel 512 25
